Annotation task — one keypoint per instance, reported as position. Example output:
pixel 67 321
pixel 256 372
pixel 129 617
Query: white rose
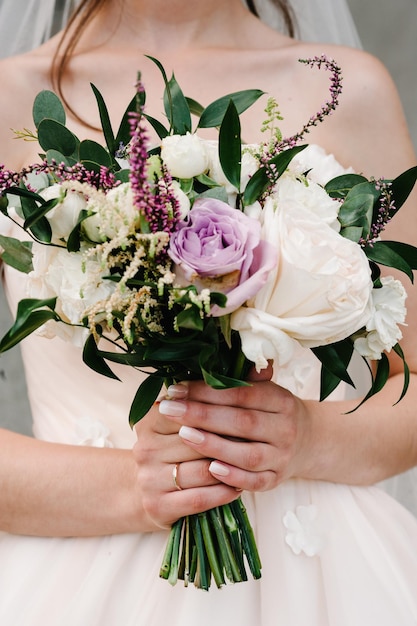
pixel 185 156
pixel 319 292
pixel 114 214
pixel 64 216
pixel 388 311
pixel 310 195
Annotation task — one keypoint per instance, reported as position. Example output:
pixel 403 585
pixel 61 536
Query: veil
pixel 25 24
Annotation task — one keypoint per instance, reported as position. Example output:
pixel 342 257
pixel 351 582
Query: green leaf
pixel 230 146
pixel 159 128
pixel 195 107
pixel 105 120
pixel 402 186
pixel 38 214
pixel 381 377
pixel 48 105
pixel 145 397
pixel 398 350
pixel 354 233
pixel 54 135
pixel 30 315
pixel 340 186
pixel 17 254
pixel 94 360
pixel 335 359
pixel 357 211
pixel 40 228
pixel 400 256
pixel 213 114
pixel 91 151
pixel 123 133
pixel 55 155
pixel 74 238
pixel 190 318
pixel 259 182
pixel 176 108
pixel 218 381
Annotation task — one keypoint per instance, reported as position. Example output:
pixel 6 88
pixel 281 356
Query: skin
pixel 215 48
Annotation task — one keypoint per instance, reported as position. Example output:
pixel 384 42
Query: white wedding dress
pixel 333 555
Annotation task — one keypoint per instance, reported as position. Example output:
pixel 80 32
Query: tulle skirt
pixel 331 554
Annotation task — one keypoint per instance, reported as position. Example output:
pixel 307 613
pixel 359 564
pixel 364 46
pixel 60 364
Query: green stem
pixel 248 538
pixel 175 557
pixel 229 563
pixel 210 549
pixel 201 579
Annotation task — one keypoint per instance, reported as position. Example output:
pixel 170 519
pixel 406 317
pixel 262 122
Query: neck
pixel 162 25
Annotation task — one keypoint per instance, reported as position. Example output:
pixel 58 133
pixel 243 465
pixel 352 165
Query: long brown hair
pixel 87 9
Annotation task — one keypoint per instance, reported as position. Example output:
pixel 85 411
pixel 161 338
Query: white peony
pixel 319 292
pixel 388 311
pixel 185 156
pixel 76 282
pixel 291 189
pixel 64 216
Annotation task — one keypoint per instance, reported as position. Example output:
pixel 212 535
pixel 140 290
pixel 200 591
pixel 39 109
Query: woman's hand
pixel 160 453
pixel 254 435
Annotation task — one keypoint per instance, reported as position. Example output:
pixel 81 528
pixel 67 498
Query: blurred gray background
pixel 388 31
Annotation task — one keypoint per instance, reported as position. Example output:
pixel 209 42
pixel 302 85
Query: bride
pixel 84 520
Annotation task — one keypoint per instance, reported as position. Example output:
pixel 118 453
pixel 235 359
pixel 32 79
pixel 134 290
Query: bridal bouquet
pixel 181 260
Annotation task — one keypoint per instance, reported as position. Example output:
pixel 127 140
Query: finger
pixel 165 510
pixel 243 480
pixel 248 455
pixel 189 475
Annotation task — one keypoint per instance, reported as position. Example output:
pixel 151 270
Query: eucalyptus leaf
pixel 54 135
pixel 17 254
pixel 94 152
pixel 340 186
pixel 54 155
pixel 213 114
pixel 48 105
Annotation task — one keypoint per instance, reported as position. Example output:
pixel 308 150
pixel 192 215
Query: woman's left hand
pixel 256 435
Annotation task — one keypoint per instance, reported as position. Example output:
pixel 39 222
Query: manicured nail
pixel 218 468
pixel 172 407
pixel 191 434
pixel 177 391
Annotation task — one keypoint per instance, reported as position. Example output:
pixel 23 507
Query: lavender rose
pixel 220 248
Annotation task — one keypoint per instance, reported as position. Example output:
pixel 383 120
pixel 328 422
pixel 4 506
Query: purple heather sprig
pixel 156 203
pixel 385 212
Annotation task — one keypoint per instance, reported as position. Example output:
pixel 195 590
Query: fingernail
pixel 172 407
pixel 191 434
pixel 218 468
pixel 177 391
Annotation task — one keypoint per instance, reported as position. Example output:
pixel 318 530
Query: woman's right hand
pixel 160 452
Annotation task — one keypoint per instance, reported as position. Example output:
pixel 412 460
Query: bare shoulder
pixel 23 77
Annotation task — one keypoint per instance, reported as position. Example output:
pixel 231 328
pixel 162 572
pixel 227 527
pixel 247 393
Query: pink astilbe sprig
pixel 156 203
